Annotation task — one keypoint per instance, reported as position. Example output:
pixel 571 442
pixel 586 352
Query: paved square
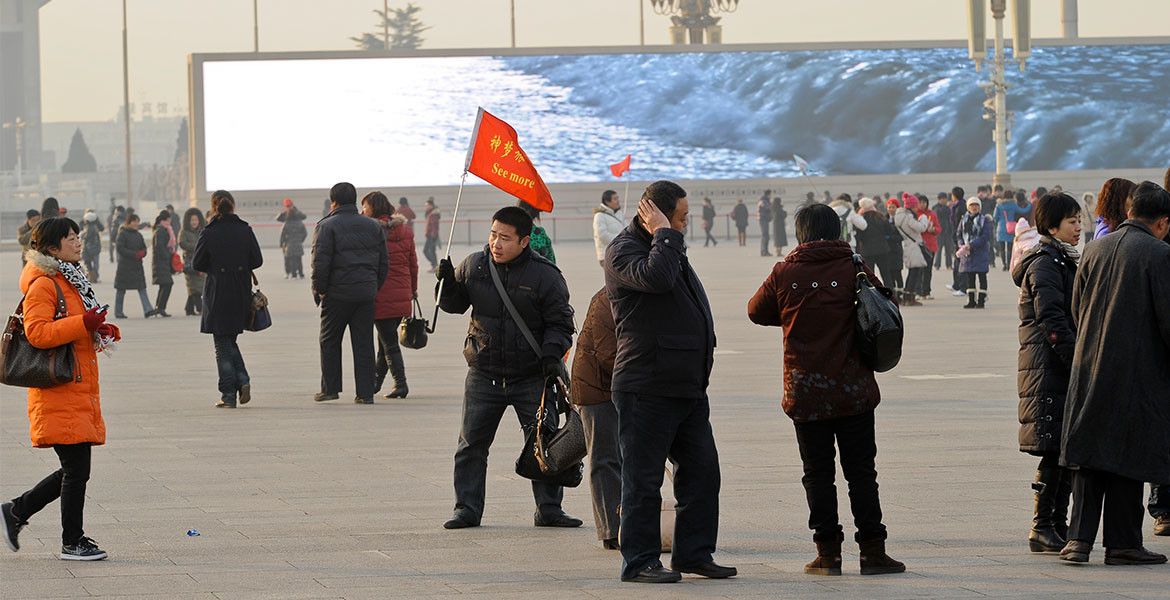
pixel 294 499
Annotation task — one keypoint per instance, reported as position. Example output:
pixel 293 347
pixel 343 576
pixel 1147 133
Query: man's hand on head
pixel 652 217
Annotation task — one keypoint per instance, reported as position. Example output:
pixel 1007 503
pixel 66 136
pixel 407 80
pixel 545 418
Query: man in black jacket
pixel 946 237
pixel 349 266
pixel 665 349
pixel 503 368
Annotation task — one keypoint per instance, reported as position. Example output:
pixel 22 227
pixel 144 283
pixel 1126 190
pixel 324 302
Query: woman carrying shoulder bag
pixel 66 417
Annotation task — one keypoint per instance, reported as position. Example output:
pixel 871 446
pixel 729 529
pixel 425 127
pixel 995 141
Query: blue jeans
pixel 230 363
pixel 120 296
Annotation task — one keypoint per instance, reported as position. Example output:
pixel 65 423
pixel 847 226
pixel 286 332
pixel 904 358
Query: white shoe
pixel 950 287
pixel 958 294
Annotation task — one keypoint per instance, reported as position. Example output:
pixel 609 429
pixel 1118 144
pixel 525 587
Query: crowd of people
pixel 643 360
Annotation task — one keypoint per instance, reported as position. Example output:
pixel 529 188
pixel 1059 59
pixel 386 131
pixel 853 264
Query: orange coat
pixel 70 413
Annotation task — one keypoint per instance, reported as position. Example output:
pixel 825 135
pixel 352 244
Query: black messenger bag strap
pixel 512 308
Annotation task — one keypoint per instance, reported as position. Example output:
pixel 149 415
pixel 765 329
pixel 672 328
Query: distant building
pixel 20 72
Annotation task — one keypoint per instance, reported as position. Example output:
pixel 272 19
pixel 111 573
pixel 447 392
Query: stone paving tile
pixel 302 500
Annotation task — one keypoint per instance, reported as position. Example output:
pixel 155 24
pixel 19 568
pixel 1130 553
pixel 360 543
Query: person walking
pixel 162 245
pixel 431 246
pixel 739 214
pixel 946 233
pixel 25 230
pixel 665 351
pixel 974 239
pixel 764 213
pixel 591 383
pixel 193 225
pixel 66 417
pixel 349 266
pixel 1115 434
pixel 779 225
pixel 292 239
pixel 503 366
pixel 1047 338
pixel 227 251
pixel 829 393
pixel 393 302
pixel 607 222
pixel 130 274
pixel 91 244
pixel 540 242
pixel 708 222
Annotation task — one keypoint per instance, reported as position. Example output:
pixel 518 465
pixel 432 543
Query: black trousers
pixel 430 250
pixel 854 435
pixel 294 266
pixel 651 430
pixel 946 251
pixel 1121 498
pixel 765 233
pixel 67 483
pixel 336 316
pixel 229 364
pixel 164 296
pixel 1159 504
pixel 387 346
pixel 975 283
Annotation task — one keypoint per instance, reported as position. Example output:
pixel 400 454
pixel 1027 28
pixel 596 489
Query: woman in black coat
pixel 162 246
pixel 227 252
pixel 131 250
pixel 1045 276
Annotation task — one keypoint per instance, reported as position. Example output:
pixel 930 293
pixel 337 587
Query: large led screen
pixel 290 124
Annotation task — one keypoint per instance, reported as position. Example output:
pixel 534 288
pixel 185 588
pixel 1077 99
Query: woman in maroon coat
pixel 829 393
pixel 394 299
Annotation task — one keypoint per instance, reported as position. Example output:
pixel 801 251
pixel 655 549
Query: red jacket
pixel 810 295
pixel 930 236
pixel 432 223
pixel 394 297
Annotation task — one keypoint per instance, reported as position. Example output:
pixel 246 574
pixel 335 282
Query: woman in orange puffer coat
pixel 66 417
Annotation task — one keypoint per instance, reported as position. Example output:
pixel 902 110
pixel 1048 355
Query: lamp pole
pixel 255 25
pixel 642 22
pixel 126 106
pixel 17 125
pixel 385 24
pixel 513 2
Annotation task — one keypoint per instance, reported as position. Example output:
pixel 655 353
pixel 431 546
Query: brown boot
pixel 875 561
pixel 828 560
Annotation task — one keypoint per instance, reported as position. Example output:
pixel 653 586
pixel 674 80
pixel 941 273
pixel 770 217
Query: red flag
pixel 618 168
pixel 495 157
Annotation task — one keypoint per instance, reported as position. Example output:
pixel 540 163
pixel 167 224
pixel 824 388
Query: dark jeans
pixel 164 295
pixel 68 484
pixel 926 275
pixel 336 315
pixel 194 304
pixel 854 435
pixel 976 283
pixel 120 296
pixel 765 233
pixel 233 375
pixel 914 283
pixel 1005 253
pixel 946 251
pixel 1122 500
pixel 710 239
pixel 653 429
pixel 1159 504
pixel 484 401
pixel 605 465
pixel 387 346
pixel 430 250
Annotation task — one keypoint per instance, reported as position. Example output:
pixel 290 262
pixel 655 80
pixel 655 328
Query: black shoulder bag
pixel 879 323
pixel 555 453
pixel 26 365
pixel 412 332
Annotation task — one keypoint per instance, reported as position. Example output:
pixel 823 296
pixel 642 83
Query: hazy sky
pixel 81 39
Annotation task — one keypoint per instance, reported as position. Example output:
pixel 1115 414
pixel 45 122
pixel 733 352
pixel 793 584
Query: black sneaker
pixel 324 397
pixel 12 527
pixel 84 549
pixel 245 393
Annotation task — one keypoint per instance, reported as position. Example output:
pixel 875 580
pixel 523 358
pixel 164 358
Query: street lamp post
pixel 126 106
pixel 694 18
pixel 17 125
pixel 255 25
pixel 995 106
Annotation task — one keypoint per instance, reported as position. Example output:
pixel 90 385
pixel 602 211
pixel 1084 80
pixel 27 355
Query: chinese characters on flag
pixel 495 156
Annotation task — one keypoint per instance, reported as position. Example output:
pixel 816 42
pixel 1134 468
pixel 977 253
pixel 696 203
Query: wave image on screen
pixel 292 124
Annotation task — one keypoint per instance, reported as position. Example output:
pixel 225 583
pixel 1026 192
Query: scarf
pixel 171 238
pixel 1068 249
pixel 76 277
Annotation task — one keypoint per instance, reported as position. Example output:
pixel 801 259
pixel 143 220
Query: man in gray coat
pixel 1117 415
pixel 349 266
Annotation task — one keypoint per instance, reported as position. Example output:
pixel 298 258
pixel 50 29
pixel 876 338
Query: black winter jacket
pixel 130 274
pixel 873 242
pixel 665 333
pixel 1045 276
pixel 160 257
pixel 349 256
pixel 227 252
pixel 494 344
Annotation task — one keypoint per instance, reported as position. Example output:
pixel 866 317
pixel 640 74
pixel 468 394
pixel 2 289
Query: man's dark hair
pixel 665 195
pixel 998 188
pixel 222 203
pixel 845 198
pixel 49 233
pixel 50 208
pixel 532 212
pixel 379 204
pixel 1041 191
pixel 30 213
pixel 817 222
pixel 958 193
pixel 942 196
pixel 607 195
pixel 516 217
pixel 403 201
pixel 767 192
pixel 1051 209
pixel 343 193
pixel 132 218
pixel 1150 202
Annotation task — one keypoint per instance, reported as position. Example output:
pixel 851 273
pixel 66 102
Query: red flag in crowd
pixel 495 156
pixel 621 167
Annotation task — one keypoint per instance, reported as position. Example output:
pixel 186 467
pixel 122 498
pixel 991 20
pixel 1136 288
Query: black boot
pixel 398 372
pixel 875 561
pixel 970 300
pixel 1043 536
pixel 1060 507
pixel 982 300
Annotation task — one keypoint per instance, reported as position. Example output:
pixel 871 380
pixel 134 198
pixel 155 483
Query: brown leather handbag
pixel 26 365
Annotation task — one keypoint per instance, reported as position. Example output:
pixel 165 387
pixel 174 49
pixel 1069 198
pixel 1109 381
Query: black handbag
pixel 565 447
pixel 412 332
pixel 26 365
pixel 879 323
pixel 259 318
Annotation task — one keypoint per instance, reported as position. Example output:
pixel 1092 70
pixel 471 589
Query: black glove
pixel 551 366
pixel 446 270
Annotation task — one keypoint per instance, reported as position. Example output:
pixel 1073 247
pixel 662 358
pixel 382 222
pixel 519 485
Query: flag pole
pixel 450 238
pixel 626 196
